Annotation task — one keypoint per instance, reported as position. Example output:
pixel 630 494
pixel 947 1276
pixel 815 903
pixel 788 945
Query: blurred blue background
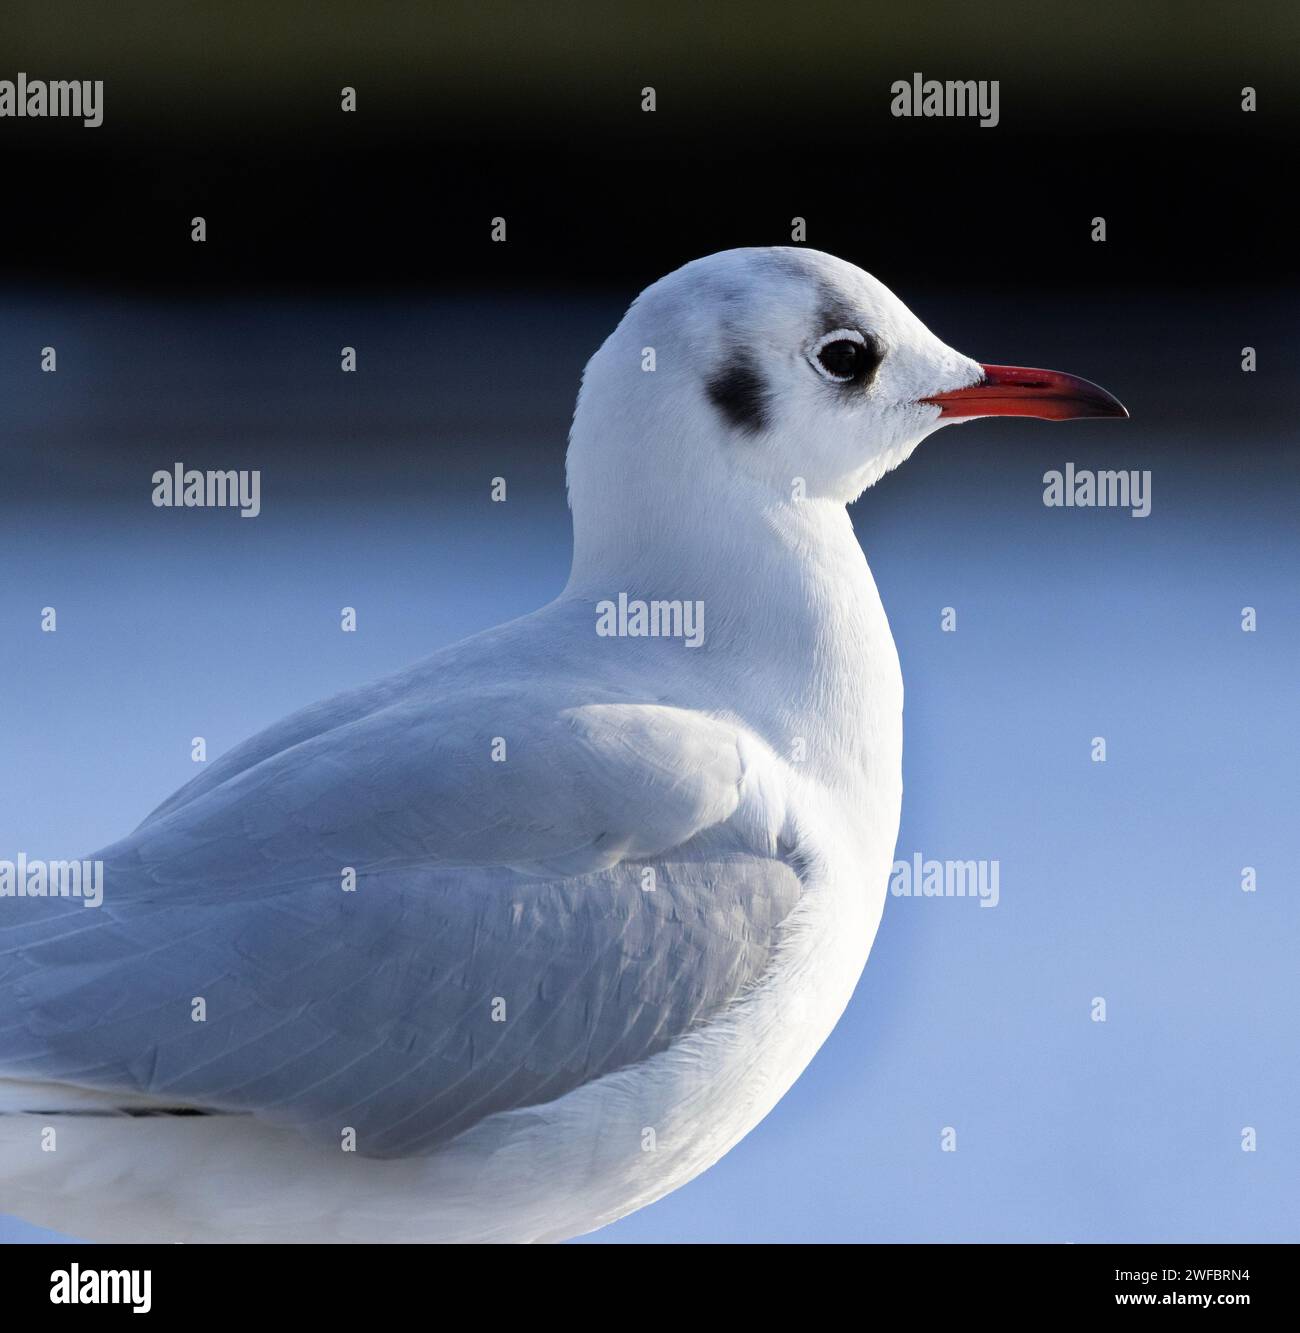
pixel 1119 880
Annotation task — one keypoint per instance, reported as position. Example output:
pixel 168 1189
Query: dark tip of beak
pixel 1018 391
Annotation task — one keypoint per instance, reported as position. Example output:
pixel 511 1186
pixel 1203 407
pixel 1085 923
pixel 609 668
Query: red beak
pixel 1015 391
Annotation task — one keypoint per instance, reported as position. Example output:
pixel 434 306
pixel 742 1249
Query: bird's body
pixel 608 894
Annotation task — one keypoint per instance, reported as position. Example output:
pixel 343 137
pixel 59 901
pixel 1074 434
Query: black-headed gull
pixel 518 940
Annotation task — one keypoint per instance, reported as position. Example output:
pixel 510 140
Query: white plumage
pixel 574 970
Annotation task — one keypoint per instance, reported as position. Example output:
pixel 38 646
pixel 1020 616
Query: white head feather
pixel 737 411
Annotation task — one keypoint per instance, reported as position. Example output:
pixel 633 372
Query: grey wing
pixel 439 989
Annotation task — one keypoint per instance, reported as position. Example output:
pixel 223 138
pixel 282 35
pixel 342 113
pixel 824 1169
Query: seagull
pixel 518 940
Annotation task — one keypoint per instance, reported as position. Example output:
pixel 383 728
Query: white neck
pixel 796 640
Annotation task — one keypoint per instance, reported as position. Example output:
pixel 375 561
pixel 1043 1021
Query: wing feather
pixel 517 928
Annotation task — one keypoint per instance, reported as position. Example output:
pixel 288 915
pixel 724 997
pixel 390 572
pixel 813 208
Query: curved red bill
pixel 1017 391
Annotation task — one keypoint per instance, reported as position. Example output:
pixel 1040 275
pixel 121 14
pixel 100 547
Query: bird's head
pixel 790 368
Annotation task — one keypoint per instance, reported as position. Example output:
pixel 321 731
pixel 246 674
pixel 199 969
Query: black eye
pixel 845 357
pixel 842 360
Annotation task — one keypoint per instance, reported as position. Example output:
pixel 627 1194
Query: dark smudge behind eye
pixel 740 394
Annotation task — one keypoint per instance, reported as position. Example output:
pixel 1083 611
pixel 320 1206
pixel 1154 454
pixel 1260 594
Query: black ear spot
pixel 740 394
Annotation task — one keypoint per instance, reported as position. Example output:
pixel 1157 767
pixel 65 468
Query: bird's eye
pixel 844 356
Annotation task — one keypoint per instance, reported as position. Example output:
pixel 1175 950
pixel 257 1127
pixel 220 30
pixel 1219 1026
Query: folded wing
pixel 411 920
